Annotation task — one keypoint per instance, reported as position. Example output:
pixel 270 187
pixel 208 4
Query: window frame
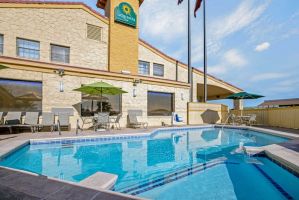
pixel 24 39
pixel 120 106
pixel 159 65
pixel 172 102
pixel 2 44
pixel 62 46
pixel 149 67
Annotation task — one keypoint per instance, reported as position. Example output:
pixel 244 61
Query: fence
pixel 206 113
pixel 287 117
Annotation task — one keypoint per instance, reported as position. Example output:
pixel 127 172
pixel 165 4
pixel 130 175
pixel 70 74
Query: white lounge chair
pixel 134 123
pixel 47 121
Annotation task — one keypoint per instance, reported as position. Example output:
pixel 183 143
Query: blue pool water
pixel 181 164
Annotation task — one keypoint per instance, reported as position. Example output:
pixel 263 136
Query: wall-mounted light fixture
pixel 135 82
pixel 134 91
pixel 60 73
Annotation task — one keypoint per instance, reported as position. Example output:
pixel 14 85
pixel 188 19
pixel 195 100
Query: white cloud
pixel 163 20
pixel 234 57
pixel 217 69
pixel 231 60
pixel 262 47
pixel 245 14
pixel 269 76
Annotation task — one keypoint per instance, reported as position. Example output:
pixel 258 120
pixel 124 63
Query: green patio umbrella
pixel 100 88
pixel 3 67
pixel 244 95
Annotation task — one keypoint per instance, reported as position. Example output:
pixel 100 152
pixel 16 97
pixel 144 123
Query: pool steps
pixel 171 177
pixel 99 180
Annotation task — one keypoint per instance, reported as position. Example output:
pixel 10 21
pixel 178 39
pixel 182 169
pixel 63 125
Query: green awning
pixel 244 95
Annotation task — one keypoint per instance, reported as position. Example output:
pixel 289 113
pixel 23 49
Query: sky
pixel 253 44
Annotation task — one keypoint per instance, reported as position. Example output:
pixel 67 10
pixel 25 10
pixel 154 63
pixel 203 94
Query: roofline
pixel 102 3
pixel 82 5
pixel 52 4
pixel 48 67
pixel 142 42
pixel 277 100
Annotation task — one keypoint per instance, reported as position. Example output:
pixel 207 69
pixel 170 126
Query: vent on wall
pixel 94 32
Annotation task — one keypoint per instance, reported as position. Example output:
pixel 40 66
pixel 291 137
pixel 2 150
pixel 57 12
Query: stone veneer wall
pixel 65 27
pixel 147 55
pixel 53 98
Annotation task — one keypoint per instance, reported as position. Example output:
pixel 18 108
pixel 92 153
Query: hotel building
pixel 51 48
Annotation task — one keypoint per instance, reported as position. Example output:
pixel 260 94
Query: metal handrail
pixel 58 127
pixel 77 127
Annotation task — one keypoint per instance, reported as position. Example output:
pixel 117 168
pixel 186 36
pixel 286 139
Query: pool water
pixel 203 163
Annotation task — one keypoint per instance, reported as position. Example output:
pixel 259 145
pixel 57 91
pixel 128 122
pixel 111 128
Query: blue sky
pixel 253 44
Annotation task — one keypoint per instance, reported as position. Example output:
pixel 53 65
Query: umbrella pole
pixel 101 99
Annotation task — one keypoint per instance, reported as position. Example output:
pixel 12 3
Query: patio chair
pixel 63 120
pixel 1 118
pixel 11 119
pixel 134 123
pixel 47 121
pixel 115 122
pixel 251 120
pixel 102 120
pixel 31 120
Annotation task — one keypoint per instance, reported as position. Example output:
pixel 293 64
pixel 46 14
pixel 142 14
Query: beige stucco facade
pixel 66 25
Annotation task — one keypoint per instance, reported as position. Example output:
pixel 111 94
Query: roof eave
pixel 102 3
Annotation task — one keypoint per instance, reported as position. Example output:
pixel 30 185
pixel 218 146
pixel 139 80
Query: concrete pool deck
pixel 286 153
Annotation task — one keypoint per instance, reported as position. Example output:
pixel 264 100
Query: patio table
pixel 243 118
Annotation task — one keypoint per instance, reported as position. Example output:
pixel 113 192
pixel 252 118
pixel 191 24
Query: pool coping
pixel 111 137
pixel 65 183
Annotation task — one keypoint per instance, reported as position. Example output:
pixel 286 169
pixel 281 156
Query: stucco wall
pixel 65 27
pixel 145 54
pixel 53 98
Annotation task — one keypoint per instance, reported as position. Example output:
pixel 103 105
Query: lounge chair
pixel 102 120
pixel 1 118
pixel 115 122
pixel 63 120
pixel 134 123
pixel 31 120
pixel 47 121
pixel 11 119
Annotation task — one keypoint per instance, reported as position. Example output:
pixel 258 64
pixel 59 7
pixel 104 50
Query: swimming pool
pixel 169 164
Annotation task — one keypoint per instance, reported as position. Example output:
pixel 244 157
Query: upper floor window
pixel 158 70
pixel 60 53
pixel 28 48
pixel 1 44
pixel 94 32
pixel 143 67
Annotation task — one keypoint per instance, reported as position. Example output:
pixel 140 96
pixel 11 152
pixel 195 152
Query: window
pixel 92 104
pixel 160 104
pixel 17 95
pixel 158 70
pixel 28 48
pixel 1 44
pixel 143 68
pixel 60 54
pixel 94 32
